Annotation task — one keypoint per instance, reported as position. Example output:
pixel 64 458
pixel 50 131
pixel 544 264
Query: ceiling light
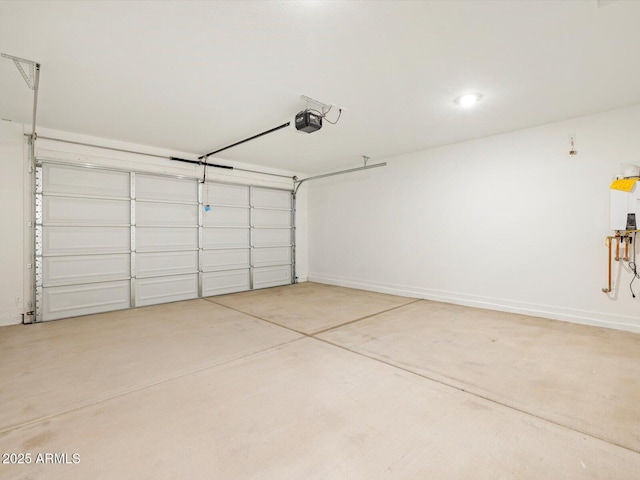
pixel 468 100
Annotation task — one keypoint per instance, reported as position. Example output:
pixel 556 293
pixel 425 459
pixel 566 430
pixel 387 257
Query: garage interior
pixel 314 239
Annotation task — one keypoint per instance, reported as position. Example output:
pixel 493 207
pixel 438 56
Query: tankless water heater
pixel 623 204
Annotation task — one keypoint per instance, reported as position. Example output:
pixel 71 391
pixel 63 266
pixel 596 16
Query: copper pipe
pixel 626 248
pixel 617 248
pixel 607 290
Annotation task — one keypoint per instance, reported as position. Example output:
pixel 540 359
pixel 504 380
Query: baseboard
pixel 7 318
pixel 598 319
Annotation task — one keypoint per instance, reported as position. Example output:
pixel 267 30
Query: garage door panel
pixel 85 211
pixel 271 276
pixel 170 214
pixel 225 237
pixel 166 263
pixel 151 187
pixel 84 240
pixel 73 301
pixel 271 218
pixel 85 269
pixel 263 257
pixel 226 217
pixel 221 194
pixel 219 283
pixel 62 179
pixel 150 291
pixel 97 227
pixel 268 198
pixel 271 237
pixel 160 239
pixel 225 259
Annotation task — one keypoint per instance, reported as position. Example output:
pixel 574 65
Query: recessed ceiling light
pixel 468 100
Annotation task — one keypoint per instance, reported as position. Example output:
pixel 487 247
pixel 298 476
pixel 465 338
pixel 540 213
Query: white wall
pixel 12 168
pixel 15 195
pixel 509 222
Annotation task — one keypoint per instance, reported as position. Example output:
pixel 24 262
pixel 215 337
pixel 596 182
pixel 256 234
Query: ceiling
pixel 196 76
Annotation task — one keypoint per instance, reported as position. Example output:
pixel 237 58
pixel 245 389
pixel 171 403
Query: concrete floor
pixel 241 387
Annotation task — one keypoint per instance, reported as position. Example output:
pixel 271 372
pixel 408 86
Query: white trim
pixel 10 317
pixel 584 317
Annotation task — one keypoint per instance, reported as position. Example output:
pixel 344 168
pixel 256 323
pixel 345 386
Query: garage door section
pixel 109 239
pixel 225 253
pixel 271 237
pixel 82 241
pixel 165 236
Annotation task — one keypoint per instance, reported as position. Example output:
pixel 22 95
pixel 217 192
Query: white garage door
pixel 271 237
pixel 165 236
pixel 226 242
pixel 108 240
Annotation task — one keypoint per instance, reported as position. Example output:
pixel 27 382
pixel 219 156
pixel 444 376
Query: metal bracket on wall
pixel 31 65
pixel 39 298
pixel 38 279
pixel 32 79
